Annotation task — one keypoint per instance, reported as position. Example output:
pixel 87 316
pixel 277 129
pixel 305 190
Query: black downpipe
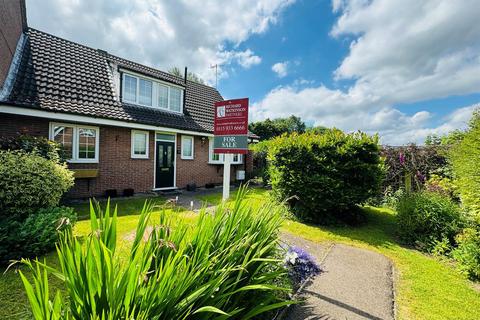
pixel 185 91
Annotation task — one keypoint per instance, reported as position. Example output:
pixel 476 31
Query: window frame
pixel 156 83
pixel 151 91
pixel 192 139
pixel 76 141
pixel 136 88
pixel 221 157
pixel 132 145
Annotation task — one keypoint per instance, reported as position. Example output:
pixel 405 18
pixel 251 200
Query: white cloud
pixel 402 51
pixel 244 58
pixel 162 33
pixel 281 69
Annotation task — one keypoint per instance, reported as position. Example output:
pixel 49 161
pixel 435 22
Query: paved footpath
pixel 355 284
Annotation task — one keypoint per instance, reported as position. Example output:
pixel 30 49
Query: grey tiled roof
pixel 63 76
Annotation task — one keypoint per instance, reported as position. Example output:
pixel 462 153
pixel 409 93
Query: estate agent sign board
pixel 230 134
pixel 231 126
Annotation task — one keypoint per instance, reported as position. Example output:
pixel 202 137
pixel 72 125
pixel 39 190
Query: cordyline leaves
pixel 222 268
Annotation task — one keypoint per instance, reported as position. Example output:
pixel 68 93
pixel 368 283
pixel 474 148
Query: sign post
pixel 230 134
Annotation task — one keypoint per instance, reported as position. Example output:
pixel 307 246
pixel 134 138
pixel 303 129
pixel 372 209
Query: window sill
pixel 152 107
pixel 82 161
pixel 183 158
pixel 139 158
pixel 233 163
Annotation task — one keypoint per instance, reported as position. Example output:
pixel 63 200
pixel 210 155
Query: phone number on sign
pixel 230 128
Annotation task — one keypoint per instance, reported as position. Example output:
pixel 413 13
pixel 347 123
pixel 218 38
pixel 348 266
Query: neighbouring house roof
pixel 62 76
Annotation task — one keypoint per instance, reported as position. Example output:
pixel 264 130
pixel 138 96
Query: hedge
pixel 29 182
pixel 324 176
pixel 464 158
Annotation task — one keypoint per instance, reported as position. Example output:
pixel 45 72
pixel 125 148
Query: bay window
pixel 149 92
pixel 139 144
pixel 80 143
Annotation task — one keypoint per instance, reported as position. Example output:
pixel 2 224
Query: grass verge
pixel 427 288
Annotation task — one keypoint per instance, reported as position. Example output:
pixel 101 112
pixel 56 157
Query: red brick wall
pixel 12 125
pixel 117 170
pixel 12 23
pixel 199 170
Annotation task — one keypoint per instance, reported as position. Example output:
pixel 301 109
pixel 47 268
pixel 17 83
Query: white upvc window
pixel 150 92
pixel 145 92
pixel 187 147
pixel 129 88
pixel 139 145
pixel 79 142
pixel 215 158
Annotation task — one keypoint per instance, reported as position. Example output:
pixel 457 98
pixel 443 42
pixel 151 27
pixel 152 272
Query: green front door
pixel 165 165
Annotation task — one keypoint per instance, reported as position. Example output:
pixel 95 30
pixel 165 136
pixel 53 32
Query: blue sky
pixel 300 37
pixel 400 68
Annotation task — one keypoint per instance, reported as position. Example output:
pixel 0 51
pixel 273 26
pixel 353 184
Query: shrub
pixel 464 157
pixel 29 182
pixel 427 219
pixel 418 161
pixel 223 268
pixel 324 176
pixel 390 198
pixel 442 185
pixel 33 236
pixel 260 164
pixel 39 145
pixel 468 252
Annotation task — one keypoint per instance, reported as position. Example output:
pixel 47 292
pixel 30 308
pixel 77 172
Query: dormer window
pixel 151 93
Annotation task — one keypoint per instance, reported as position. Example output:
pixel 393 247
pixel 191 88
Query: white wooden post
pixel 226 175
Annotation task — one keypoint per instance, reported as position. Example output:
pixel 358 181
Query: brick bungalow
pixel 124 125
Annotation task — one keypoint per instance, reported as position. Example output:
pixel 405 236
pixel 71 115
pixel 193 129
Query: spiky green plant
pixel 224 267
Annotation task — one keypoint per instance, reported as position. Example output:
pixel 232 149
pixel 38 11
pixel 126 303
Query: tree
pixel 190 75
pixel 318 129
pixel 268 129
pixel 433 140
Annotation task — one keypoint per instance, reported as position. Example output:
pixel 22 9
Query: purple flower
pixel 420 177
pixel 301 265
pixel 401 157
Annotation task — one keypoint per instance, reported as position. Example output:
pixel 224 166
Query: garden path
pixel 190 200
pixel 355 284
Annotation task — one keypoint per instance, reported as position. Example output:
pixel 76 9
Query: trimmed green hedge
pixel 29 182
pixel 324 176
pixel 464 157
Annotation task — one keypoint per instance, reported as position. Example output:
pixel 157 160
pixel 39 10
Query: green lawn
pixel 127 206
pixel 426 287
pixel 13 301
